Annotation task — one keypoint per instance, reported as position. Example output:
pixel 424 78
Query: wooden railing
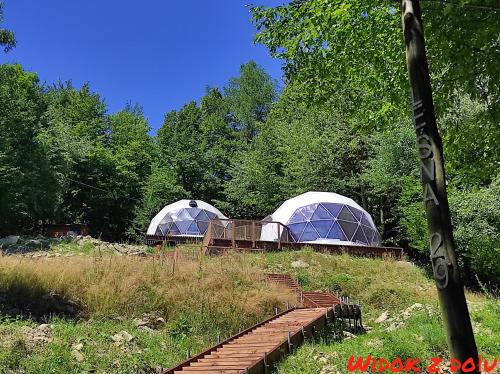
pixel 250 232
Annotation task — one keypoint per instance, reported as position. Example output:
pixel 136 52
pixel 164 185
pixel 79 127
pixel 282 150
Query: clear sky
pixel 157 53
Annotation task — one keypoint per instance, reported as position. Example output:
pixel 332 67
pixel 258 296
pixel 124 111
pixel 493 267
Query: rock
pixel 329 369
pixel 141 322
pixel 122 337
pixel 43 327
pixel 78 356
pixel 382 317
pixel 299 264
pixel 78 346
pixel 39 335
pixel 33 243
pixel 146 329
pixel 9 240
pixel 149 322
pixel 348 335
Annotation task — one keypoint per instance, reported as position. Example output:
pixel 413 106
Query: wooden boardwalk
pixel 256 349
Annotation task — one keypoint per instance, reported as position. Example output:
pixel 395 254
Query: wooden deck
pixel 217 246
pixel 256 349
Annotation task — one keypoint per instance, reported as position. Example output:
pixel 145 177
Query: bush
pixel 476 218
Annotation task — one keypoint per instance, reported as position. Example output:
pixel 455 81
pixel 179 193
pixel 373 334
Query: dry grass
pixel 220 293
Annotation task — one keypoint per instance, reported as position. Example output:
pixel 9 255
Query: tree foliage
pixel 7 38
pixel 356 46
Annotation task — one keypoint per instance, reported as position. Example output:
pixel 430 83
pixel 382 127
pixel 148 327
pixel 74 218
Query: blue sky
pixel 159 54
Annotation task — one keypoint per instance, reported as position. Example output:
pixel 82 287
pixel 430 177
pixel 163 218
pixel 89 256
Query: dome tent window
pixel 184 218
pixel 325 217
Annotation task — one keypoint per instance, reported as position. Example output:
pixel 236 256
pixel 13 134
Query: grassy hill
pixel 123 314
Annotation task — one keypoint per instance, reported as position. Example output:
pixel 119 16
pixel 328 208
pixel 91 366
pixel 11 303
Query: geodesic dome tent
pixel 184 218
pixel 324 217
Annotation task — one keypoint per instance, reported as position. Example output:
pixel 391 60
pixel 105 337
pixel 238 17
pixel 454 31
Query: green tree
pixel 26 181
pixel 302 147
pixel 74 140
pixel 218 142
pixel 7 38
pixel 356 47
pixel 249 97
pixel 179 143
pixel 160 188
pixel 476 218
pixel 132 151
pixel 391 173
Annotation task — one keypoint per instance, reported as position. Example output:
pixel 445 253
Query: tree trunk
pixel 446 272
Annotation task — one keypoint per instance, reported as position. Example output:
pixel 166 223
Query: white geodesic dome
pixel 184 218
pixel 323 217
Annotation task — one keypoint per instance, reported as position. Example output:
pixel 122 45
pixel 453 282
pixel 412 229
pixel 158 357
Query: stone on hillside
pixel 146 329
pixel 382 317
pixel 141 322
pixel 78 356
pixel 39 335
pixel 44 327
pixel 9 240
pixel 299 264
pixel 122 337
pixel 348 335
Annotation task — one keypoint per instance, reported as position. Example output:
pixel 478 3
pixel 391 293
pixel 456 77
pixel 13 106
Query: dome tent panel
pixel 321 213
pixel 184 218
pixel 325 217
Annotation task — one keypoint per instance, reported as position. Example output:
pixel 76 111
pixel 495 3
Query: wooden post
pixel 444 264
pixel 253 234
pixel 233 230
pixel 279 235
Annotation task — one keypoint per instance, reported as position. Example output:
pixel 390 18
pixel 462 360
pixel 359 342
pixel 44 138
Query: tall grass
pixel 223 293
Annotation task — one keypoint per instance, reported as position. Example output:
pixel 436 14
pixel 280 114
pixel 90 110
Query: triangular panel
pixel 193 229
pixel 346 215
pixel 336 232
pixel 296 230
pixel 193 212
pixel 366 221
pixel 183 225
pixel 334 209
pixel 165 228
pixel 166 219
pixel 211 215
pixel 356 212
pixel 297 217
pixel 202 216
pixel 308 210
pixel 368 234
pixel 174 230
pixel 322 227
pixel 202 226
pixel 183 215
pixel 349 228
pixel 321 213
pixel 359 236
pixel 309 233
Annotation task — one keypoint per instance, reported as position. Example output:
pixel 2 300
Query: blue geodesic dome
pixel 325 217
pixel 184 218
